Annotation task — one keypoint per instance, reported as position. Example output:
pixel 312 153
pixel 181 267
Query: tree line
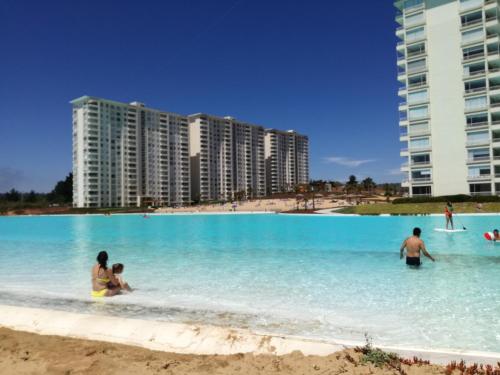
pixel 61 194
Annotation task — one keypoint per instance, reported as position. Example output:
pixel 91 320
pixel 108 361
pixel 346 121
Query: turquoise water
pixel 319 277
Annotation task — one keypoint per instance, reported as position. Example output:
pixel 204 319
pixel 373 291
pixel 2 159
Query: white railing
pixel 478 142
pixel 479 159
pixel 476 125
pixel 480 177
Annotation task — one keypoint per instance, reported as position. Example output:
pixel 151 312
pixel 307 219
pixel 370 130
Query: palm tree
pixel 352 184
pixel 368 184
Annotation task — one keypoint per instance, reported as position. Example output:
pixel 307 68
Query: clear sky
pixel 325 68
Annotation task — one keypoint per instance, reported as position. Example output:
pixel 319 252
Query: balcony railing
pixel 474 55
pixel 472 22
pixel 476 125
pixel 416 53
pixel 421 179
pixel 475 73
pixel 480 177
pixel 481 193
pixel 479 159
pixel 475 90
pixel 478 142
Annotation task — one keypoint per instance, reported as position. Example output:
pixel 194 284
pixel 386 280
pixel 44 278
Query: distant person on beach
pixel 117 272
pixel 104 283
pixel 414 245
pixel 448 212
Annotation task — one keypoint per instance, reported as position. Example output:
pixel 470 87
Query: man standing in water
pixel 413 246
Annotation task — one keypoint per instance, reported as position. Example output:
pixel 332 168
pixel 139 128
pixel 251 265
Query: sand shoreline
pixel 197 339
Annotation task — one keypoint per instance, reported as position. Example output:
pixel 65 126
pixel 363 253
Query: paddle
pixel 459 222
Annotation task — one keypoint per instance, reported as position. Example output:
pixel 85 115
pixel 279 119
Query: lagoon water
pixel 313 276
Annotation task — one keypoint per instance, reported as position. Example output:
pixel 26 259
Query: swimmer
pixel 414 245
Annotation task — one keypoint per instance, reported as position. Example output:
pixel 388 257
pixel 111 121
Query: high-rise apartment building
pixel 123 153
pixel 128 155
pixel 227 158
pixel 449 66
pixel 287 160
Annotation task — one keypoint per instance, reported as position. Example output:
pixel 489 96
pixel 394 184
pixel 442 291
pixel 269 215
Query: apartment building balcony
pixel 473 56
pixel 492 38
pixel 470 5
pixel 482 177
pixel 403 106
pixel 475 74
pixel 420 180
pixel 478 142
pixel 402 92
pixel 403 137
pixel 401 61
pixel 491 22
pixel 493 55
pixel 495 107
pixel 471 23
pixel 475 90
pixel 420 164
pixel 479 160
pixel 420 149
pixel 477 126
pixel 404 152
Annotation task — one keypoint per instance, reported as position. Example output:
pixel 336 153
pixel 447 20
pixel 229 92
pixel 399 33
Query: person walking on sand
pixel 414 245
pixel 448 212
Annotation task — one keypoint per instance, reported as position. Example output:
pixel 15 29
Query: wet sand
pixel 29 353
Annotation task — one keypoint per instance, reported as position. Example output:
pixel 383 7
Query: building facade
pixel 125 153
pixel 227 158
pixel 449 68
pixel 287 160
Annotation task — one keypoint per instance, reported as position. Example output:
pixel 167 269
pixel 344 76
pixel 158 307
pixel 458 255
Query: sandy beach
pixel 28 353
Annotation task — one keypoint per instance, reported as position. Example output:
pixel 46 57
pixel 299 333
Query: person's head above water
pixel 102 259
pixel 417 231
pixel 495 231
pixel 118 268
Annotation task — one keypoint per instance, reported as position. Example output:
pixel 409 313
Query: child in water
pixel 117 272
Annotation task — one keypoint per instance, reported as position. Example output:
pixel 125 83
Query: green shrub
pixel 460 198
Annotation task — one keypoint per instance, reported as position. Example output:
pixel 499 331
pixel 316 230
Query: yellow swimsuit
pixel 102 292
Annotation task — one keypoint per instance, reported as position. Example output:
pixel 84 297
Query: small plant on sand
pixel 475 369
pixel 376 356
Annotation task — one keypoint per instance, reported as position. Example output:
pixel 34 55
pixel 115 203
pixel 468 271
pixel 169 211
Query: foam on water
pixel 319 277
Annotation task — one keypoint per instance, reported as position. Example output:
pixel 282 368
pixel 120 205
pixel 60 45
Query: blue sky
pixel 321 67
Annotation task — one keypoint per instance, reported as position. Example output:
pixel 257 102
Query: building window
pixel 421 190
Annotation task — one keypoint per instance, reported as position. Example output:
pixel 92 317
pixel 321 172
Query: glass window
pixel 478 137
pixel 418 113
pixel 415 34
pixel 414 19
pixel 409 4
pixel 421 159
pixel 476 103
pixel 468 4
pixel 472 52
pixel 477 119
pixel 479 170
pixel 480 188
pixel 471 36
pixel 420 143
pixel 479 154
pixel 421 174
pixel 416 65
pixel 417 97
pixel 422 190
pixel 416 128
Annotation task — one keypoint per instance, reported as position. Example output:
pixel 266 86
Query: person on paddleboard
pixel 448 213
pixel 414 245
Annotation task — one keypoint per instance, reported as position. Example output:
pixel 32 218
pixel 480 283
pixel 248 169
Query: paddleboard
pixel 449 230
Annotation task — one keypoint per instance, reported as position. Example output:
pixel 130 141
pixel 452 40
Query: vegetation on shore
pixel 419 208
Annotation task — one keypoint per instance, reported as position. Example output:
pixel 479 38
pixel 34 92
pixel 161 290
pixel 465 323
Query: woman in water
pixel 448 212
pixel 103 278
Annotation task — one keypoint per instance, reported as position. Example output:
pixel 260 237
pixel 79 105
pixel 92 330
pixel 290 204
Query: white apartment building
pixel 227 157
pixel 287 160
pixel 125 153
pixel 449 68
